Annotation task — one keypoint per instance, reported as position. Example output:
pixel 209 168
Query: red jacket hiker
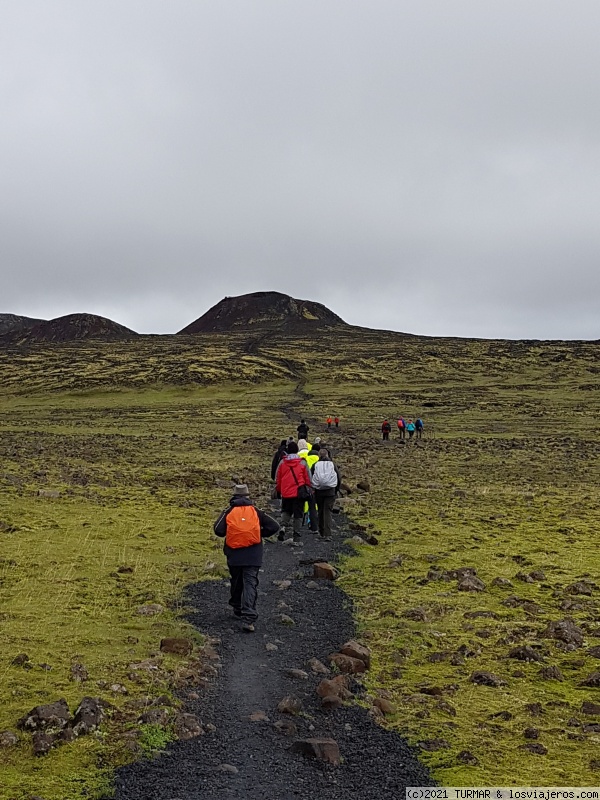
pixel 292 473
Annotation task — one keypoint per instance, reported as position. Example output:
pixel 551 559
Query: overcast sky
pixel 431 167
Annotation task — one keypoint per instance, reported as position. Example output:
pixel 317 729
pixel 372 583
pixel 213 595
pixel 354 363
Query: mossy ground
pixel 142 439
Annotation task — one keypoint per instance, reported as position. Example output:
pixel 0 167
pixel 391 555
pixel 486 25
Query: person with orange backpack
pixel 243 527
pixel 402 427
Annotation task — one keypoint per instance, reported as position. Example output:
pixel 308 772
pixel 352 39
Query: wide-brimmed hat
pixel 241 490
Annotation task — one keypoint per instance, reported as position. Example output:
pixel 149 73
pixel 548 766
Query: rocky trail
pixel 250 748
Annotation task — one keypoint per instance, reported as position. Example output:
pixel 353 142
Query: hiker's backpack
pixel 400 423
pixel 243 527
pixel 324 476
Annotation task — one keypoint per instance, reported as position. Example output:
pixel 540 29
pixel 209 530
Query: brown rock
pixel 503 583
pixel 471 583
pixel 430 745
pixel 177 645
pixel 21 660
pixel 590 708
pixel 286 726
pixel 531 733
pixel 347 664
pixel 42 743
pixel 336 686
pixel 525 653
pixel 324 572
pixel 364 486
pixel 326 750
pixel 52 716
pixel 188 726
pixel 317 667
pixel 258 716
pixel 432 691
pixel 418 614
pixel 552 673
pixel 535 709
pixel 8 739
pixel 386 708
pixel 537 575
pixel 484 678
pixel 356 650
pixel 466 757
pixel 535 747
pixel 592 680
pixel 299 674
pixel 331 701
pixel 290 705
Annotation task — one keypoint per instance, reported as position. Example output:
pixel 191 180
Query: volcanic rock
pixel 326 750
pixel 73 327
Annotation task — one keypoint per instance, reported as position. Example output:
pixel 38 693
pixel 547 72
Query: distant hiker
pixel 244 527
pixel 419 428
pixel 402 427
pixel 292 481
pixel 326 483
pixel 337 422
pixel 329 421
pixel 281 451
pixel 386 429
pixel 410 428
pixel 302 430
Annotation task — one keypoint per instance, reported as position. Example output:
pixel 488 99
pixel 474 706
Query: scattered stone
pixel 590 708
pixel 317 667
pixel 501 582
pixel 466 757
pixel 271 647
pixel 364 486
pixel 326 750
pixel 52 716
pixel 535 747
pixel 229 768
pixel 418 614
pixel 480 614
pixel 483 678
pixel 594 652
pixel 155 716
pixel 42 743
pixel 356 650
pixel 446 707
pixel 150 610
pixel 290 705
pixel 595 765
pixel 505 716
pixel 430 745
pixel 284 619
pixel 88 716
pixel 79 673
pixel 462 572
pixel 531 733
pixel 177 645
pixel 592 680
pixel 372 540
pixel 337 686
pixel 593 727
pixel 324 572
pixel 432 691
pixel 331 702
pixel 537 575
pixel 8 739
pixel 347 664
pixel 552 673
pixel 258 716
pixel 524 577
pixel 312 585
pixel 525 653
pixel 565 631
pixel 188 726
pixel 471 583
pixel 386 708
pixel 300 674
pixel 118 688
pixel 287 727
pixel 21 660
pixel 579 588
pixel 282 585
pixel 535 709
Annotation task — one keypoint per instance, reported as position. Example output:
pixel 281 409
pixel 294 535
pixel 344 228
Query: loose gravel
pixel 251 760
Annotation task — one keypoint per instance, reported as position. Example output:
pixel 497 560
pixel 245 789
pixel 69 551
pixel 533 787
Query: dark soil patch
pixel 376 762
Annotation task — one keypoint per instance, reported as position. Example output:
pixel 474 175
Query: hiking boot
pixel 247 627
pixel 281 535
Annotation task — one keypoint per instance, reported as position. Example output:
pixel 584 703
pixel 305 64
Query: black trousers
pixel 386 435
pixel 244 592
pixel 325 503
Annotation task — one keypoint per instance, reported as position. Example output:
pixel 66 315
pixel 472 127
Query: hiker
pixel 281 451
pixel 419 427
pixel 302 430
pixel 329 421
pixel 337 422
pixel 410 428
pixel 310 456
pixel 303 447
pixel 402 427
pixel 386 429
pixel 243 526
pixel 292 481
pixel 326 483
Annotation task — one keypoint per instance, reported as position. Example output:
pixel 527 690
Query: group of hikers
pixel 333 421
pixel 307 481
pixel 405 426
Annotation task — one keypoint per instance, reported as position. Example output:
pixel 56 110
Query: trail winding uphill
pixel 249 748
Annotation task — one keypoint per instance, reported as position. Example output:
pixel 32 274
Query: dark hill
pixel 15 322
pixel 264 311
pixel 73 327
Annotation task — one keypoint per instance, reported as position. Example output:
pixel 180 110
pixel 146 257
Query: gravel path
pixel 251 760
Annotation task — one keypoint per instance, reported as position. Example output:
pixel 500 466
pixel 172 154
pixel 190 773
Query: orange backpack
pixel 243 527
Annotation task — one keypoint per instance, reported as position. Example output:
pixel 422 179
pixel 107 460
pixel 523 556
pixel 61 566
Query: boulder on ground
pixel 290 705
pixel 326 750
pixel 177 645
pixel 483 678
pixel 324 571
pixel 8 739
pixel 88 716
pixel 336 686
pixel 347 664
pixel 566 631
pixel 384 706
pixel 42 743
pixel 471 583
pixel 51 716
pixel 356 650
pixel 188 726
